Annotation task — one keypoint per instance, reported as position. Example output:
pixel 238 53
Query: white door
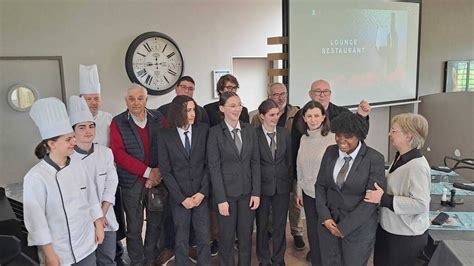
pixel 251 72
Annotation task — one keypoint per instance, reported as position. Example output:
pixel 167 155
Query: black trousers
pixel 198 217
pixel 239 221
pixel 278 203
pixel 352 250
pixel 312 225
pixel 391 249
pixel 135 202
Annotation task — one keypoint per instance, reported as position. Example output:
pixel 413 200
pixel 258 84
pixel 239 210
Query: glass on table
pixel 444 180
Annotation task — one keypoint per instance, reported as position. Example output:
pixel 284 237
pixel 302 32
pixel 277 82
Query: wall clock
pixel 154 61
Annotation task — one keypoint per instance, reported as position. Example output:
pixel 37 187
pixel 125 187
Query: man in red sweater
pixel 133 140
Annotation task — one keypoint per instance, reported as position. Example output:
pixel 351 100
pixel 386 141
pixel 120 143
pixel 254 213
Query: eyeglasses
pixel 321 92
pixel 184 87
pixel 231 88
pixel 276 95
pixel 234 106
pixel 392 130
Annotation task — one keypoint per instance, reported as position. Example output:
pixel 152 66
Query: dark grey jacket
pixel 346 205
pixel 276 173
pixel 184 176
pixel 233 175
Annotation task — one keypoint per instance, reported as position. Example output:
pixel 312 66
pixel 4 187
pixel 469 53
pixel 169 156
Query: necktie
pixel 342 173
pixel 187 143
pixel 273 145
pixel 237 140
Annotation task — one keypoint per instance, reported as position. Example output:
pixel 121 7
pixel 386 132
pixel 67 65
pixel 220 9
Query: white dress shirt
pixel 268 137
pixel 232 128
pixel 340 162
pixel 183 137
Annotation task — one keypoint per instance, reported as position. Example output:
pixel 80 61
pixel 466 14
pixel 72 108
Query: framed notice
pixel 216 75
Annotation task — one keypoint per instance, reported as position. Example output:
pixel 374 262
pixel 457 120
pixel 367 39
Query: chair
pixel 466 163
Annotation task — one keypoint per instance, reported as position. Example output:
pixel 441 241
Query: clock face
pixel 154 61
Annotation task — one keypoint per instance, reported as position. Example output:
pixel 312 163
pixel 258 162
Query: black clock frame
pixel 129 60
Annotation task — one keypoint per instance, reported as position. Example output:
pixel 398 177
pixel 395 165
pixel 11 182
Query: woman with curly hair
pixel 348 169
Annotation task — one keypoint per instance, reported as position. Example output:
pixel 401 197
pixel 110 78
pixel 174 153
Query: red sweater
pixel 122 158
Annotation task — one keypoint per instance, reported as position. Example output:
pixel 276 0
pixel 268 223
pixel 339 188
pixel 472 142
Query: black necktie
pixel 237 140
pixel 342 173
pixel 187 143
pixel 273 145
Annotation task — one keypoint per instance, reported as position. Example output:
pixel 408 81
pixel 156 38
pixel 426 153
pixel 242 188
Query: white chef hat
pixel 88 79
pixel 78 110
pixel 50 117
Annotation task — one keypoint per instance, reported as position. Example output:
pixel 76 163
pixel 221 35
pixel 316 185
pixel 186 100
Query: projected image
pixel 370 52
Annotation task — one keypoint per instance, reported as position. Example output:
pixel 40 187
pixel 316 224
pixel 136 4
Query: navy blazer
pixel 346 205
pixel 233 175
pixel 184 175
pixel 276 174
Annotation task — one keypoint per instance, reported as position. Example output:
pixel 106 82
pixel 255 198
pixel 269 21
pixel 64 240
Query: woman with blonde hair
pixel 404 217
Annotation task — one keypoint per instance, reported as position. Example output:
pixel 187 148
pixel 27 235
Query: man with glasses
pixel 225 83
pixel 279 93
pixel 186 86
pixel 320 91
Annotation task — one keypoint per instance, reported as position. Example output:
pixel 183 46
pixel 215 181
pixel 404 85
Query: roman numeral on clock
pixel 141 73
pixel 166 79
pixel 141 54
pixel 172 72
pixel 164 48
pixel 170 55
pixel 147 47
pixel 148 79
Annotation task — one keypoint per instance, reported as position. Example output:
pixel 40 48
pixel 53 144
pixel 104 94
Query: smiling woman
pixel 348 169
pixel 313 124
pixel 234 166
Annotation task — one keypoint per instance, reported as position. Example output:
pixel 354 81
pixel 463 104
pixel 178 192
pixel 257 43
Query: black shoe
pixel 299 242
pixel 236 245
pixel 308 256
pixel 214 248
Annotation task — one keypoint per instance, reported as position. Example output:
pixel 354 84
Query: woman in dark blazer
pixel 234 165
pixel 182 161
pixel 348 223
pixel 275 164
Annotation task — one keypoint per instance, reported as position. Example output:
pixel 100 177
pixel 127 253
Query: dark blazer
pixel 233 175
pixel 215 116
pixel 276 174
pixel 201 113
pixel 346 205
pixel 184 176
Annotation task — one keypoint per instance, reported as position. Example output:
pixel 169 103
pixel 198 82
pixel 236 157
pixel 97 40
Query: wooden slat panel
pixel 277 40
pixel 277 56
pixel 277 72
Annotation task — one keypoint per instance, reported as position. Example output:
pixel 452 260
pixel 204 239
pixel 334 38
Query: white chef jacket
pixel 60 207
pixel 99 162
pixel 102 124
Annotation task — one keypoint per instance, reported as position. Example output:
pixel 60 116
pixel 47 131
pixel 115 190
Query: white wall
pixel 208 32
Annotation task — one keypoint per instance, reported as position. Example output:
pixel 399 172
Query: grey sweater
pixel 410 184
pixel 309 158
